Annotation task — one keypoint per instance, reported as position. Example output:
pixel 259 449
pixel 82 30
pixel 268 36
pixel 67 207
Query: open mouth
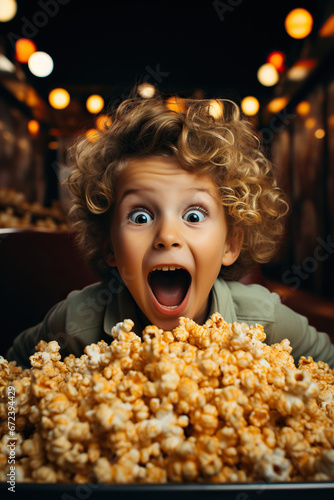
pixel 169 285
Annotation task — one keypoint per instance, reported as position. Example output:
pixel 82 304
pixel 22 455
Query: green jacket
pixel 87 316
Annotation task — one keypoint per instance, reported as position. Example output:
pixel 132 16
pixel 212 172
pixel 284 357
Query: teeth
pixel 166 268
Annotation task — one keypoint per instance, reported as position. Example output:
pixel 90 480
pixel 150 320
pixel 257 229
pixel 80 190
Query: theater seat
pixel 38 268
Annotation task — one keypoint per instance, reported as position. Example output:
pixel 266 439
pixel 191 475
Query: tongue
pixel 169 287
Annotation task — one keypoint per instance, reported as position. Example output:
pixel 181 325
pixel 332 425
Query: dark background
pixel 106 46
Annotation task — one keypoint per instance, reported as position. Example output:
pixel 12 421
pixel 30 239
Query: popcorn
pixel 201 403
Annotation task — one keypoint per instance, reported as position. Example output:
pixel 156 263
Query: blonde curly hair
pixel 223 145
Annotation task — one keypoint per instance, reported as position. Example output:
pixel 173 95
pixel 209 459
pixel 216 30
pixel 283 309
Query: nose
pixel 168 235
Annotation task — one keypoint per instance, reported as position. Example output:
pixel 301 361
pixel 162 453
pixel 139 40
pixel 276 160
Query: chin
pixel 167 324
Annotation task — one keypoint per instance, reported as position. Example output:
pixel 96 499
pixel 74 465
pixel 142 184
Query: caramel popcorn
pixel 17 212
pixel 203 403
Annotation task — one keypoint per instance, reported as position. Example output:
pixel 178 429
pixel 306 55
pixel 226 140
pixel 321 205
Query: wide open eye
pixel 140 217
pixel 194 215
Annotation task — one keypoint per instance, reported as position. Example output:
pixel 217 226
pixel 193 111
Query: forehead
pixel 155 171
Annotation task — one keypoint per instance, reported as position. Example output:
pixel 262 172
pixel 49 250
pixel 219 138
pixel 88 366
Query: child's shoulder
pixel 252 290
pixel 252 302
pixel 89 291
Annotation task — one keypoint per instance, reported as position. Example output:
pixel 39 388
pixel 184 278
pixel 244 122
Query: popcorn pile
pixel 17 212
pixel 209 403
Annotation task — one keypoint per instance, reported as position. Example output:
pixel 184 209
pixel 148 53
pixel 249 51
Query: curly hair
pixel 223 145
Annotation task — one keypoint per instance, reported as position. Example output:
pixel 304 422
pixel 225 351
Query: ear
pixel 233 246
pixel 108 254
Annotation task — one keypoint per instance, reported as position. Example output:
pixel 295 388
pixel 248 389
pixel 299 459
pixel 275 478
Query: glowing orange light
pixel 299 23
pixel 301 69
pixel 250 105
pixel 319 133
pixel 216 109
pixel 103 122
pixel 303 108
pixel 92 134
pixel 24 48
pixel 277 59
pixel 310 123
pixel 59 98
pixel 95 103
pixel 33 127
pixel 277 104
pixel 176 104
pixel 327 29
pixel 53 145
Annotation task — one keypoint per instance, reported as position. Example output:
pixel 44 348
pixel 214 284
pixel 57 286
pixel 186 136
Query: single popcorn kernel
pixel 200 403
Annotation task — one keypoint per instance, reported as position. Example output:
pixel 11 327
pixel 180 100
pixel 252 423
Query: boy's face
pixel 169 239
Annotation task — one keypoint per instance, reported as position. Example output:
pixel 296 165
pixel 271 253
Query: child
pixel 172 209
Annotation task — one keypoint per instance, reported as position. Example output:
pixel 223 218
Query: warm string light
pixel 303 108
pixel 176 104
pixel 59 98
pixel 299 23
pixel 277 59
pixel 24 48
pixel 215 109
pixel 146 90
pixel 103 122
pixel 95 103
pixel 319 133
pixel 92 134
pixel 33 127
pixel 40 64
pixel 250 105
pixel 267 75
pixel 8 9
pixel 277 104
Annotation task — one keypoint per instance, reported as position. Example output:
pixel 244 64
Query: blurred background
pixel 64 63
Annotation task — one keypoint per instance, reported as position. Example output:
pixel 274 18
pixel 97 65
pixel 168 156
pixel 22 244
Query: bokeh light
pixel 298 23
pixel 146 90
pixel 24 48
pixel 215 109
pixel 95 103
pixel 103 122
pixel 327 29
pixel 267 75
pixel 277 104
pixel 277 59
pixel 8 9
pixel 92 134
pixel 319 133
pixel 40 64
pixel 59 98
pixel 33 127
pixel 176 104
pixel 303 108
pixel 250 105
pixel 310 123
pixel 301 69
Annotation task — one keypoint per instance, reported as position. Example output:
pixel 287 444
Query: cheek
pixel 128 250
pixel 210 246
